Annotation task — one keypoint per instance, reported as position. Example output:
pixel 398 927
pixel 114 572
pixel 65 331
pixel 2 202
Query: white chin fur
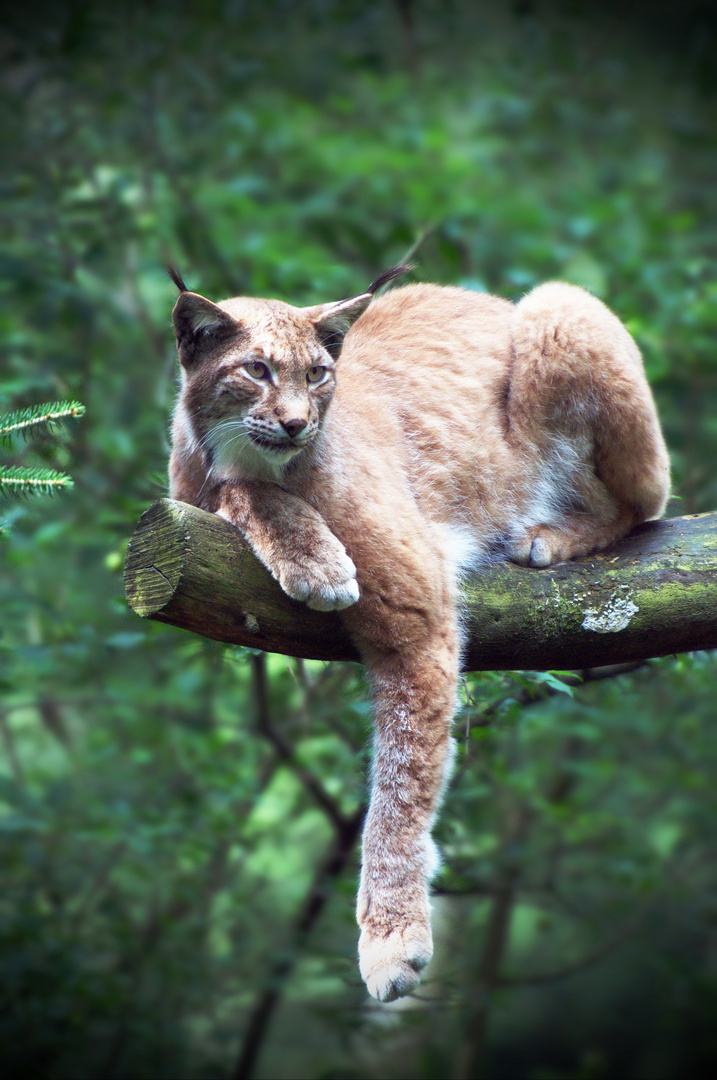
pixel 236 456
pixel 277 455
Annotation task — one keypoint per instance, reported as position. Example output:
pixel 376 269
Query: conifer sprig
pixel 36 417
pixel 21 481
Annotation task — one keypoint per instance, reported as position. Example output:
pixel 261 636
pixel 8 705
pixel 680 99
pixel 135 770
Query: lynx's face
pixel 273 406
pixel 257 378
pixel 259 397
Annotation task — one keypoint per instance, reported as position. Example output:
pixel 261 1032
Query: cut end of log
pixel 192 569
pixel 155 558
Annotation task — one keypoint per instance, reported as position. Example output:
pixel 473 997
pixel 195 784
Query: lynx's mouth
pixel 277 448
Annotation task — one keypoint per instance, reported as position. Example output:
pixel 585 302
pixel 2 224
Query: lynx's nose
pixel 293 427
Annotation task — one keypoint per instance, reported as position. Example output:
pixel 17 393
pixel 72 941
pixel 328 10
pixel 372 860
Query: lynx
pixel 371 451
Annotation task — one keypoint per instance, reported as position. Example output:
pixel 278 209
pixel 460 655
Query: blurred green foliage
pixel 167 808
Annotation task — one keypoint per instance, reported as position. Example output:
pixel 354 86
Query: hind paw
pixel 542 546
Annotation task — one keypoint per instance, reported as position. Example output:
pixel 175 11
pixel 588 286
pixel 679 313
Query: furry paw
pixel 293 542
pixel 325 581
pixel 542 553
pixel 391 966
pixel 540 546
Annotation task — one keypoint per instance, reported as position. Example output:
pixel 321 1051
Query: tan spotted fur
pixel 446 429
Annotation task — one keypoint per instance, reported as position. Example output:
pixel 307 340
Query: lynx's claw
pixel 391 966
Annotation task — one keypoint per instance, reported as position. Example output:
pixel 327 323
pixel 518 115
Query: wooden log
pixel 653 593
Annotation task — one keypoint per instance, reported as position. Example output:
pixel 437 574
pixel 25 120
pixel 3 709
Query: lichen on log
pixel 651 594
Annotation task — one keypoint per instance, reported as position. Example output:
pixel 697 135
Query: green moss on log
pixel 652 594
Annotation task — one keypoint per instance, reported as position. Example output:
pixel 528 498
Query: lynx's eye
pixel 315 374
pixel 257 370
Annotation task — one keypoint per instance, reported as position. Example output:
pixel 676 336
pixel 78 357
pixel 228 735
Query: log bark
pixel 653 593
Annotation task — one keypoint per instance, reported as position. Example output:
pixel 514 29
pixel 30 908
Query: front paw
pixel 325 581
pixel 391 965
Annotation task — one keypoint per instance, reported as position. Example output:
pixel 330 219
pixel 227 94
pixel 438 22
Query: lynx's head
pixel 258 375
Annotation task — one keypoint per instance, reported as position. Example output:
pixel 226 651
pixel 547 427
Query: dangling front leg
pixel 291 539
pixel 414 702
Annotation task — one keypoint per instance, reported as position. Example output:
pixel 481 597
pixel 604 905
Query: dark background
pixel 167 805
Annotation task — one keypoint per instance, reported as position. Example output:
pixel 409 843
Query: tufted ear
pixel 200 325
pixel 333 321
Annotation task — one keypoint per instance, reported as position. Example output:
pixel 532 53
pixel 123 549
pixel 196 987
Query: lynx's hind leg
pixel 579 400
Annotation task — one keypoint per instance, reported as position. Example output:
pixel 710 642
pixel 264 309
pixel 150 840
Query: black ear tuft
pixel 388 275
pixel 177 279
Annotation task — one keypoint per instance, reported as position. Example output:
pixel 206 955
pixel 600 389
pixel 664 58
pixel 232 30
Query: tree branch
pixel 629 927
pixel 285 751
pixel 266 1002
pixel 652 594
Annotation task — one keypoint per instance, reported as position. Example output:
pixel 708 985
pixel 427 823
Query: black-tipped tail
pixel 177 279
pixel 388 275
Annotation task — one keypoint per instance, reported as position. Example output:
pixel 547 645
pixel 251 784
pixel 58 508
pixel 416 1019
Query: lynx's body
pixel 368 468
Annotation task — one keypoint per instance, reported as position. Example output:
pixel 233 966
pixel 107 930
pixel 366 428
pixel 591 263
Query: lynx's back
pixel 422 387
